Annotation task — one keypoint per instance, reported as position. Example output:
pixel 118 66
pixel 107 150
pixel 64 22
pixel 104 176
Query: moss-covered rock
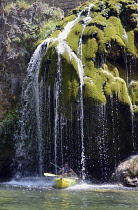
pixel 133 89
pixel 101 42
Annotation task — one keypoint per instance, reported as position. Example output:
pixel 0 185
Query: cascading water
pixel 103 147
pixel 30 122
pixel 56 106
pixel 48 134
pixel 35 89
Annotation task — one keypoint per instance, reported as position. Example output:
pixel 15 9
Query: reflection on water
pixel 38 193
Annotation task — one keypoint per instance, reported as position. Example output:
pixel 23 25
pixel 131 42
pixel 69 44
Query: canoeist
pixel 67 171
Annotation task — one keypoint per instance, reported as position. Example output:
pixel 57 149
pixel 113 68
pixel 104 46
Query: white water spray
pixel 31 112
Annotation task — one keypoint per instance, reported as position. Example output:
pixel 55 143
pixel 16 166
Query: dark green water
pixel 37 194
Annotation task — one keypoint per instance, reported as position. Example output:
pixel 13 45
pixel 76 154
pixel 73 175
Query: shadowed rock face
pixel 127 172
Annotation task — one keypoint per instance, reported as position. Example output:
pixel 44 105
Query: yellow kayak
pixel 64 182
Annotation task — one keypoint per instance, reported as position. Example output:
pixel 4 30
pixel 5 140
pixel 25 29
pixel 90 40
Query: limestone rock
pixel 127 172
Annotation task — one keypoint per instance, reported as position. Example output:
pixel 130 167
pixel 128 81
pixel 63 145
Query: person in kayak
pixel 67 171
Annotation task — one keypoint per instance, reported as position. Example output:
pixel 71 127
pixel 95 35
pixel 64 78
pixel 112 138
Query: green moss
pixel 106 84
pixel 133 91
pixel 47 29
pixel 133 8
pixel 89 69
pixel 130 45
pixel 92 93
pixel 48 64
pixel 70 83
pixel 74 36
pixel 107 43
pixel 102 35
pixel 39 42
pixel 105 81
pixel 135 109
pixel 115 9
pixel 55 34
pixel 116 24
pixel 62 24
pixel 111 68
pixel 74 11
pixel 85 4
pixel 89 49
pixel 98 21
pixel 121 90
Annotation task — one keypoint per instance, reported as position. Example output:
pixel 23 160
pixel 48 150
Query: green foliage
pixel 47 29
pixel 7 128
pixel 23 4
pixel 9 6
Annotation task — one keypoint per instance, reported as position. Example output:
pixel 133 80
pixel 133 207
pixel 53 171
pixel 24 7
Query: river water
pixel 38 193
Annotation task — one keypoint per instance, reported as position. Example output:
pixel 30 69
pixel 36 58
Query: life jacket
pixel 66 170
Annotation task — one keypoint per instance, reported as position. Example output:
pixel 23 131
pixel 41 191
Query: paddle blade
pixel 48 174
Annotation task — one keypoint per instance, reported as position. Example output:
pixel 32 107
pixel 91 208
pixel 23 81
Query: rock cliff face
pixel 21 26
pixel 66 5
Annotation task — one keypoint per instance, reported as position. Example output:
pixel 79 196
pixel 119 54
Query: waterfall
pixel 87 19
pixel 102 139
pixel 49 132
pixel 132 124
pixel 115 128
pixel 30 122
pixel 36 99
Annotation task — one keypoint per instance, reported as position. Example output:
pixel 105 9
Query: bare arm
pixel 60 171
pixel 74 173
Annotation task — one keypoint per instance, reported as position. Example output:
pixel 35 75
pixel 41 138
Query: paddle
pixel 48 174
pixel 55 165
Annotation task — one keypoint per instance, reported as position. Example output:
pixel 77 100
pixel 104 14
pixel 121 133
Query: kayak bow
pixel 64 182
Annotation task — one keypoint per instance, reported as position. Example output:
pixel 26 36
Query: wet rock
pixel 127 172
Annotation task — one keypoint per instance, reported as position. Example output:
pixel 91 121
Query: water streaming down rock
pixel 30 124
pixel 38 102
pixel 115 128
pixel 60 121
pixel 85 20
pixel 102 139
